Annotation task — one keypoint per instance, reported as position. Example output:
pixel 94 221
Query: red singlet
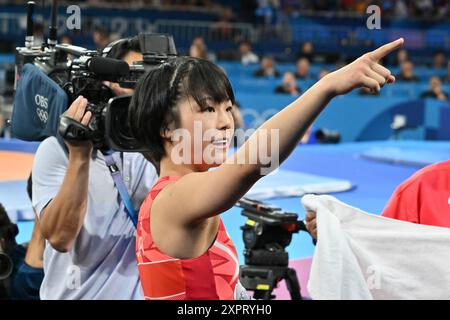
pixel 211 276
pixel 424 198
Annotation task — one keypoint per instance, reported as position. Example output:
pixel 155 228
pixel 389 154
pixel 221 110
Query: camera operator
pixel 90 238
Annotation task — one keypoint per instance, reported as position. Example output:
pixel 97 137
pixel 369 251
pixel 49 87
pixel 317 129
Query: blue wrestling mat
pixel 286 183
pixel 417 153
pixel 375 181
pixel 14 198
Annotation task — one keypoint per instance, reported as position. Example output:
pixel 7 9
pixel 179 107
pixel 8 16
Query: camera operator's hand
pixel 311 223
pixel 119 91
pixel 62 218
pixel 363 72
pixel 77 111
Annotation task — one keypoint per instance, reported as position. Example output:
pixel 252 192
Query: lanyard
pixel 120 185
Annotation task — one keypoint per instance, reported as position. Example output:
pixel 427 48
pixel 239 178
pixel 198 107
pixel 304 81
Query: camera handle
pixel 72 130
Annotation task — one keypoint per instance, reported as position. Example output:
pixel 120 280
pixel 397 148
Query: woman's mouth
pixel 220 143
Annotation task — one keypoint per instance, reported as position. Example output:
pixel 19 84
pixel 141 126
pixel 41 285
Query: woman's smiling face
pixel 205 132
pixel 183 112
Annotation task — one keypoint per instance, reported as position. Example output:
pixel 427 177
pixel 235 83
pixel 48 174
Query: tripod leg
pixel 292 284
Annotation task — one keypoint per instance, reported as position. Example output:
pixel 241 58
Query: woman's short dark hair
pixel 153 105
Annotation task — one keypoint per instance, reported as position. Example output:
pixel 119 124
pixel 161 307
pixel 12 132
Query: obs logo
pixel 41 107
pixel 41 101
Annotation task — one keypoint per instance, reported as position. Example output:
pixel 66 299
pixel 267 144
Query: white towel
pixel 364 256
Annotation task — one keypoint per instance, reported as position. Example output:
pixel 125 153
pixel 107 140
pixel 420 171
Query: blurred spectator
pixel 267 68
pixel 101 38
pixel 199 41
pixel 266 11
pixel 422 7
pixel 302 66
pixel 323 73
pixel 397 8
pixel 306 51
pixel 222 29
pixel 199 50
pixel 407 72
pixel 447 76
pixel 289 85
pixel 65 39
pixel 400 9
pixel 439 59
pixel 435 91
pixel 402 56
pixel 442 8
pixel 247 56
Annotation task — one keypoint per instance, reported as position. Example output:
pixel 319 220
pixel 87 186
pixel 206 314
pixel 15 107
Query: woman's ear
pixel 166 132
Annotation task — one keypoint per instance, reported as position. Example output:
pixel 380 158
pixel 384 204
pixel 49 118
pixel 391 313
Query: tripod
pixel 263 279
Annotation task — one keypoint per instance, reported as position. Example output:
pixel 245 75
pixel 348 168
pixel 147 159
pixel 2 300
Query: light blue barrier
pixel 357 118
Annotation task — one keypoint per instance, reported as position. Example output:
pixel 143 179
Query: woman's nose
pixel 225 120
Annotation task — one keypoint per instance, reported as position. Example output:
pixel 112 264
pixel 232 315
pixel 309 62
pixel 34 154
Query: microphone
pixel 108 68
pixel 29 38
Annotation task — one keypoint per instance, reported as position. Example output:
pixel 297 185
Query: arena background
pixel 384 138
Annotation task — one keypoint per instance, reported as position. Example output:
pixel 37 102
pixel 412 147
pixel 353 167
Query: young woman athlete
pixel 183 250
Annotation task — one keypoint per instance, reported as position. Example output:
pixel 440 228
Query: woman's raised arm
pixel 198 196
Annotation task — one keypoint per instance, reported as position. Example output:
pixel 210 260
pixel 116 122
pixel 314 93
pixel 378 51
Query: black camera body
pixel 85 75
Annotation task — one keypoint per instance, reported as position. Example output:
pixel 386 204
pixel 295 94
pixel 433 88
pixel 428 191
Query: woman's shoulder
pixel 162 182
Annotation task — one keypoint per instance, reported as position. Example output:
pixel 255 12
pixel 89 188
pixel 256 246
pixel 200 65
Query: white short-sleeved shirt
pixel 102 262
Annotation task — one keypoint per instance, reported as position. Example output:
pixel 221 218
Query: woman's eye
pixel 209 109
pixel 229 109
